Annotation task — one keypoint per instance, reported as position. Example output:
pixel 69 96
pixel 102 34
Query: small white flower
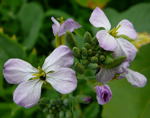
pixel 55 71
pixel 61 29
pixel 110 40
pixel 122 71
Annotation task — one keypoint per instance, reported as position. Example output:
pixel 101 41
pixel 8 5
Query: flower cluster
pixel 114 40
pixel 110 50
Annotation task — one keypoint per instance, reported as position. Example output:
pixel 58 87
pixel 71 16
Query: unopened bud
pixel 85 62
pixel 87 99
pixel 76 52
pixel 87 45
pixel 94 59
pixel 102 58
pixel 79 68
pixel 89 52
pixel 84 51
pixel 88 37
pixel 70 40
pixel 94 66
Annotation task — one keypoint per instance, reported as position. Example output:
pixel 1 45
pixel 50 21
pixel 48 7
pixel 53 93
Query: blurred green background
pixel 25 32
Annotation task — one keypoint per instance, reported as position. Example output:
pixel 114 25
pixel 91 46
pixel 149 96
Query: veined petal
pixel 16 71
pixel 126 28
pixel 123 67
pixel 106 41
pixel 125 48
pixel 104 94
pixel 105 75
pixel 64 80
pixel 60 57
pixel 28 93
pixel 135 78
pixel 55 26
pixel 99 19
pixel 69 25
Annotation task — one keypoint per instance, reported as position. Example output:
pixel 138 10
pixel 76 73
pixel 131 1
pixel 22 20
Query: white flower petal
pixel 69 25
pixel 55 26
pixel 125 48
pixel 64 80
pixel 105 75
pixel 27 94
pixel 16 71
pixel 60 57
pixel 136 78
pixel 126 28
pixel 122 67
pixel 99 19
pixel 106 41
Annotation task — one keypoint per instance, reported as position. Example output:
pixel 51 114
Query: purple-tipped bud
pixel 104 94
pixel 87 99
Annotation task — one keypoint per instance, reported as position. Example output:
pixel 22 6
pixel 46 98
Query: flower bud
pixel 90 52
pixel 70 40
pixel 94 59
pixel 85 62
pixel 76 52
pixel 104 94
pixel 79 68
pixel 88 37
pixel 84 51
pixel 87 99
pixel 102 58
pixel 87 45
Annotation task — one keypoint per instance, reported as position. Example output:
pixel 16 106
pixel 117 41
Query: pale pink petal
pixel 55 26
pixel 64 80
pixel 60 57
pixel 125 48
pixel 126 28
pixel 69 25
pixel 99 19
pixel 135 78
pixel 106 41
pixel 28 93
pixel 17 70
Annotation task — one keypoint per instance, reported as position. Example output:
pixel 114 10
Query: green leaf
pixel 129 101
pixel 31 17
pixel 10 47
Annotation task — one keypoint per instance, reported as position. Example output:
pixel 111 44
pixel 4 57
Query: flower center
pixel 105 96
pixel 40 75
pixel 114 32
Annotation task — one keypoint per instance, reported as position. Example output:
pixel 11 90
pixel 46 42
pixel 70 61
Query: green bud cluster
pixel 92 55
pixel 54 108
pixel 89 54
